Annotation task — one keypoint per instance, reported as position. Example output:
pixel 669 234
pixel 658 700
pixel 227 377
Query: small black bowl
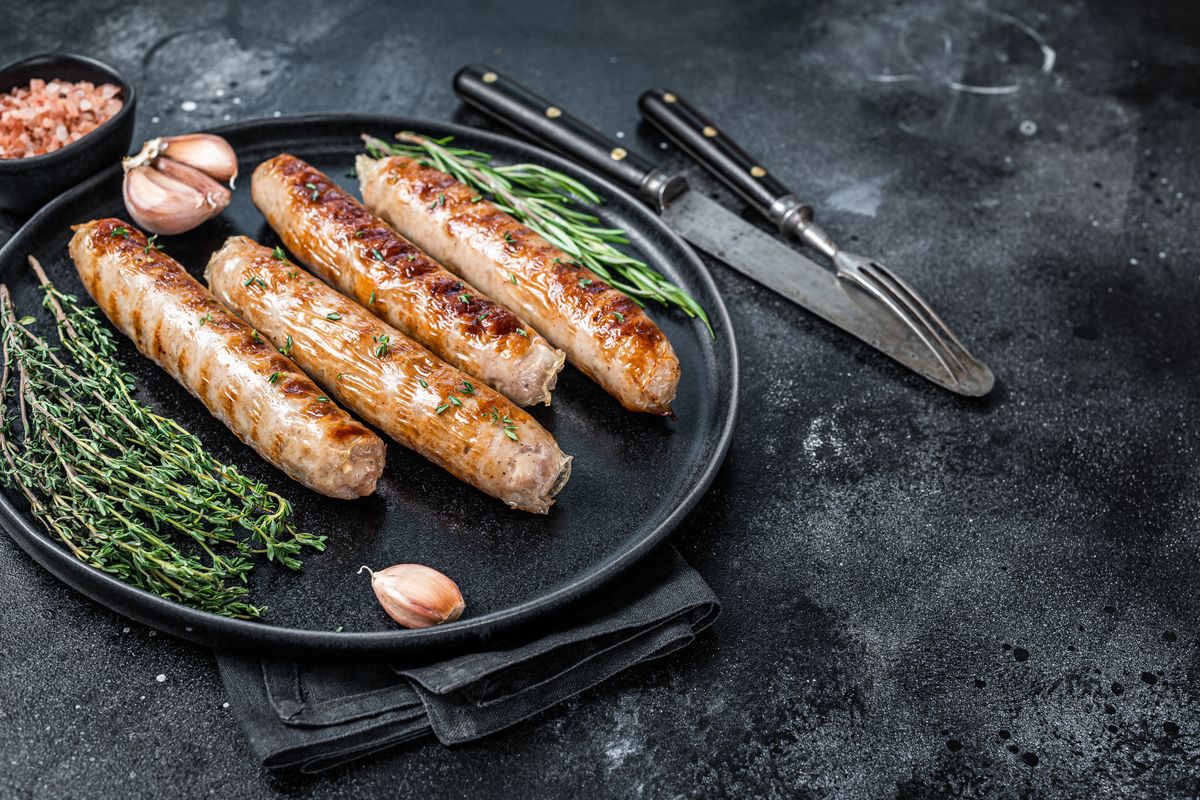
pixel 27 183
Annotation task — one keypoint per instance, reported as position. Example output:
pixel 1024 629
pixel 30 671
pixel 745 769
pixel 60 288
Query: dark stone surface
pixel 924 596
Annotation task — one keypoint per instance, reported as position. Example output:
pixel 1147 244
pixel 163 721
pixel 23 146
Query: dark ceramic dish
pixel 635 477
pixel 26 183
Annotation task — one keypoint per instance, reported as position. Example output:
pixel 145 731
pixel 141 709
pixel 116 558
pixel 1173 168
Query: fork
pixel 725 159
pixel 898 296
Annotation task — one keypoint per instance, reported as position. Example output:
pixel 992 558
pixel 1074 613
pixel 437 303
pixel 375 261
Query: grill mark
pixel 346 431
pixel 332 202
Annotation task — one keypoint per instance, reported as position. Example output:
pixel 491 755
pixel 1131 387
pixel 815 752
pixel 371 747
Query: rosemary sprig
pixel 543 200
pixel 126 490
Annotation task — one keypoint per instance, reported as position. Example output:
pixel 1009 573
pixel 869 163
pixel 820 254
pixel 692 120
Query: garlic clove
pixel 162 204
pixel 175 183
pixel 416 596
pixel 216 195
pixel 210 154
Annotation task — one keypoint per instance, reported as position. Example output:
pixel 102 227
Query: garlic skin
pixel 175 183
pixel 416 596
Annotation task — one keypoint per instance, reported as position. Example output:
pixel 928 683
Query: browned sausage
pixel 604 333
pixel 354 251
pixel 467 428
pixel 261 396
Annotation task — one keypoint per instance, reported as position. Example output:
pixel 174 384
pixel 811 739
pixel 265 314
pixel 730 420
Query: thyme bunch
pixel 543 200
pixel 128 491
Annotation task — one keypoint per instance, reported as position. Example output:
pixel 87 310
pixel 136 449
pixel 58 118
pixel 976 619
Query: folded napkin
pixel 313 717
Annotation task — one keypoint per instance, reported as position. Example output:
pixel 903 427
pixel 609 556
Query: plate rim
pixel 184 621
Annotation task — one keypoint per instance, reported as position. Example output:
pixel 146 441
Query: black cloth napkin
pixel 313 717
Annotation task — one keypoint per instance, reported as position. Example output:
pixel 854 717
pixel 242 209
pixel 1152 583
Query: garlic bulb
pixel 175 183
pixel 416 596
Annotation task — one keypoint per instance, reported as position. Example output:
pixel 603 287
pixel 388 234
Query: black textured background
pixel 924 596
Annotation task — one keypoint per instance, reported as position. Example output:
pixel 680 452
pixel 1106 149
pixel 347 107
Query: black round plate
pixel 634 476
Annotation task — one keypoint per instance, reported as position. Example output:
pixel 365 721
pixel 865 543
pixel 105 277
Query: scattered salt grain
pixel 620 134
pixel 275 114
pixel 1028 127
pixel 160 678
pixel 188 105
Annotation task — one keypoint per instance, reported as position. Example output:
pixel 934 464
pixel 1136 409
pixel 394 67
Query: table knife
pixel 760 256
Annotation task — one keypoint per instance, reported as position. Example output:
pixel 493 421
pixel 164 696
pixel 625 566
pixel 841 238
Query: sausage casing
pixel 260 395
pixel 467 428
pixel 604 333
pixel 351 249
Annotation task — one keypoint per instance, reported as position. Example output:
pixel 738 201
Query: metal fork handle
pixel 697 135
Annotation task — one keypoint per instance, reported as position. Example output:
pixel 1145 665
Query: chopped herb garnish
pixel 207 318
pixel 466 298
pixel 381 341
pixel 333 315
pixel 512 278
pixel 421 381
pixel 121 232
pixel 378 256
pixel 476 198
pixel 585 282
pixel 522 332
pixel 459 286
pixel 322 399
pixel 287 346
pixel 360 234
pixel 455 400
pixel 508 237
pixel 249 281
pixel 441 408
pixel 510 433
pixel 412 256
pixel 26 320
pixel 274 377
pixel 254 335
pixel 620 317
pixel 541 199
pixel 468 388
pixel 372 300
pixel 315 191
pixel 151 245
pixel 278 253
pixel 484 316
pixel 261 282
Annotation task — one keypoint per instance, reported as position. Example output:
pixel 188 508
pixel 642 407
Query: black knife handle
pixel 720 155
pixel 538 118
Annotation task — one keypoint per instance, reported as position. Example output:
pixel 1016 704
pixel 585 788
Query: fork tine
pixel 882 295
pixel 924 306
pixel 906 295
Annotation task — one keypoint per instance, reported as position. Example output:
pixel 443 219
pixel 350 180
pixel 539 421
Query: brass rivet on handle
pixel 669 98
pixel 757 171
pixel 710 131
pixel 553 112
pixel 618 153
pixel 490 77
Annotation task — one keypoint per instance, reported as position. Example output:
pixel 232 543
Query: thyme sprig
pixel 544 200
pixel 127 491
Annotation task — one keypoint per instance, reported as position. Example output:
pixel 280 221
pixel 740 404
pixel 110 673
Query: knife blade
pixel 718 231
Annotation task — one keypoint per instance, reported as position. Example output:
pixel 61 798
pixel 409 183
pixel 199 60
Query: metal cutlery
pixel 863 297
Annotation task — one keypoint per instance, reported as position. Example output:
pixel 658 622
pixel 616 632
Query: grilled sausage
pixel 604 333
pixel 261 396
pixel 467 428
pixel 354 251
